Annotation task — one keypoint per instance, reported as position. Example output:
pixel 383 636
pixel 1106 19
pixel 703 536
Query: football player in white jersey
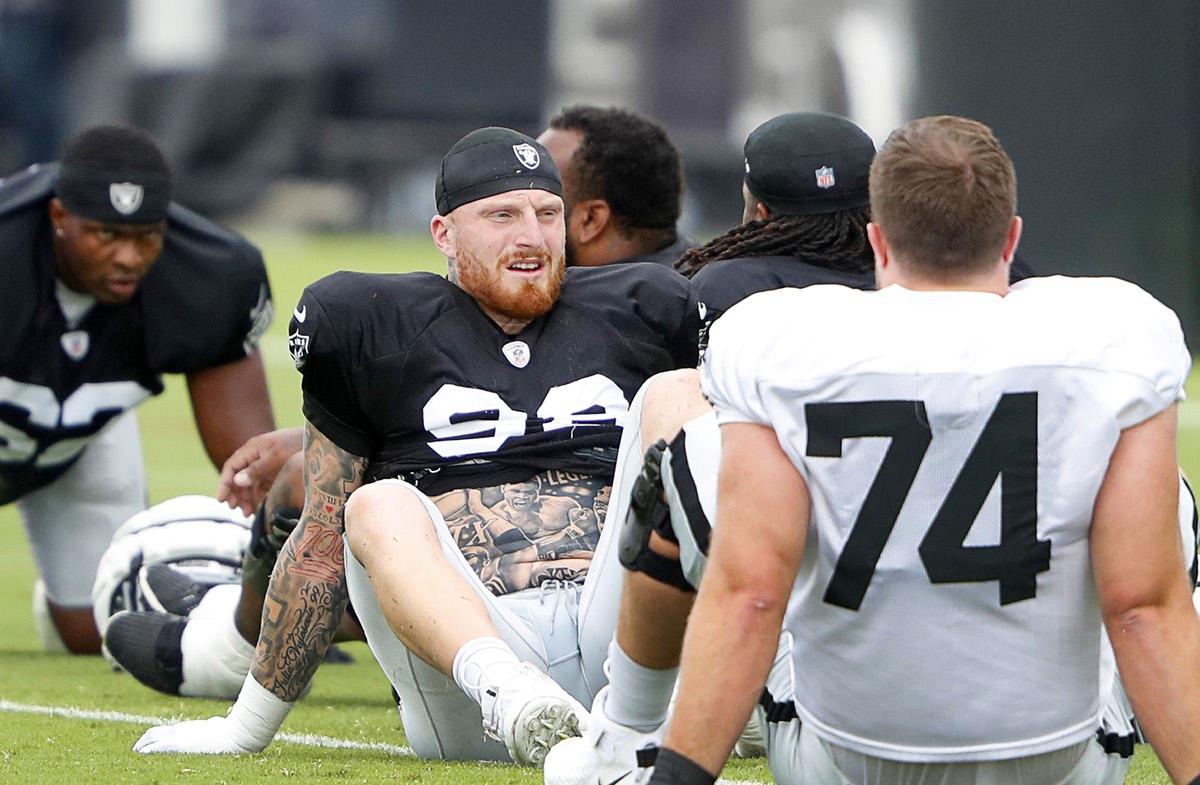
pixel 943 506
pixel 629 714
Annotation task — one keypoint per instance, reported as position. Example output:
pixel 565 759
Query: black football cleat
pixel 149 646
pixel 171 589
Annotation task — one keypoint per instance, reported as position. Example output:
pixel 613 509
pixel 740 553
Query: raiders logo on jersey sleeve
pixel 297 340
pixel 261 316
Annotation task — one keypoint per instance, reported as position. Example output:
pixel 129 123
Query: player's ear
pixel 1014 237
pixel 58 212
pixel 589 220
pixel 752 209
pixel 879 245
pixel 442 230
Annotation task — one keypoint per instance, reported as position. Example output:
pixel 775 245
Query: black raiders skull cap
pixel 491 161
pixel 114 173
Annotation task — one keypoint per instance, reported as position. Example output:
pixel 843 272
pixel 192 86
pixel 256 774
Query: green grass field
pixel 73 719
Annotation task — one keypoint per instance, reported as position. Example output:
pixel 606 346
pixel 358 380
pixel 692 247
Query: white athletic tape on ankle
pixel 257 715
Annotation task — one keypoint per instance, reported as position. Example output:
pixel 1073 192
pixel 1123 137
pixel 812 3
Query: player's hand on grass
pixel 214 736
pixel 248 473
pixel 250 726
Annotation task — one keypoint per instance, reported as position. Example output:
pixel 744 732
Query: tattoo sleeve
pixel 307 594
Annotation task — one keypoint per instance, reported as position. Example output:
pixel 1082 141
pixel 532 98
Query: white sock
pixel 216 658
pixel 638 697
pixel 482 664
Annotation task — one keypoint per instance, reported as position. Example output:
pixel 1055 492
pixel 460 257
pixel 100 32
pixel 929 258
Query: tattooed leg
pixel 307 595
pixel 390 532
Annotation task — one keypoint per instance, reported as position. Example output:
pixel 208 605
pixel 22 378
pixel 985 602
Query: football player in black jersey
pixel 622 196
pixel 108 285
pixel 622 186
pixel 426 400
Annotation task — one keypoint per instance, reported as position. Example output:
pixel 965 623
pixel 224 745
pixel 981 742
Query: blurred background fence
pixel 319 114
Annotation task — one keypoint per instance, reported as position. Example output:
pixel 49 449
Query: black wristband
pixel 1195 780
pixel 671 768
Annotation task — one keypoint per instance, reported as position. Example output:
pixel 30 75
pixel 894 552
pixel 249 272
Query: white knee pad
pixel 690 483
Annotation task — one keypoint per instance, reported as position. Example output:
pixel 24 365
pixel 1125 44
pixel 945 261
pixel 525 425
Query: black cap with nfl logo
pixel 807 163
pixel 114 173
pixel 491 161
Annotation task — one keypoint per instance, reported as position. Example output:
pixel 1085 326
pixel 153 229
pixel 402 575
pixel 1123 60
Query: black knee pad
pixel 649 513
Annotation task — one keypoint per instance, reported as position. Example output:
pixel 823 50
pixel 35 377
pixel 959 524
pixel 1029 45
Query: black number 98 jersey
pixel 407 371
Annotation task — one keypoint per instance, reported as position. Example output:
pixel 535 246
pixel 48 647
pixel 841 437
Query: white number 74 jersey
pixel 953 444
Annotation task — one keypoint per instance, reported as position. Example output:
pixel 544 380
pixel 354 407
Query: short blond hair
pixel 944 193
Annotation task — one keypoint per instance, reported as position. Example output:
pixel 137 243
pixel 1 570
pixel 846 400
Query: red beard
pixel 515 299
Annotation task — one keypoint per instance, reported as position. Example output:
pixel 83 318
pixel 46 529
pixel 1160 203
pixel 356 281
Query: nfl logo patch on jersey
pixel 527 155
pixel 75 344
pixel 517 353
pixel 825 177
pixel 126 198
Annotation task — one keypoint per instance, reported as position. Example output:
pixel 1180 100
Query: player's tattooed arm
pixel 307 594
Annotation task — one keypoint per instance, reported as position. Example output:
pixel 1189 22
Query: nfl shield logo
pixel 528 156
pixel 825 177
pixel 517 353
pixel 75 344
pixel 126 198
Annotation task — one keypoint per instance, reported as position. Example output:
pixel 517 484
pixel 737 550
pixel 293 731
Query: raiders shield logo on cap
pixel 517 353
pixel 126 198
pixel 527 155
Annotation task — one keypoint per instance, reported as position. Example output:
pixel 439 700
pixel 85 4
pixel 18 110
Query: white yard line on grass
pixel 303 739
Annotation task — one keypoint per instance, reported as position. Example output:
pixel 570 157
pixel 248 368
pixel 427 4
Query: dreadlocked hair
pixel 835 241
